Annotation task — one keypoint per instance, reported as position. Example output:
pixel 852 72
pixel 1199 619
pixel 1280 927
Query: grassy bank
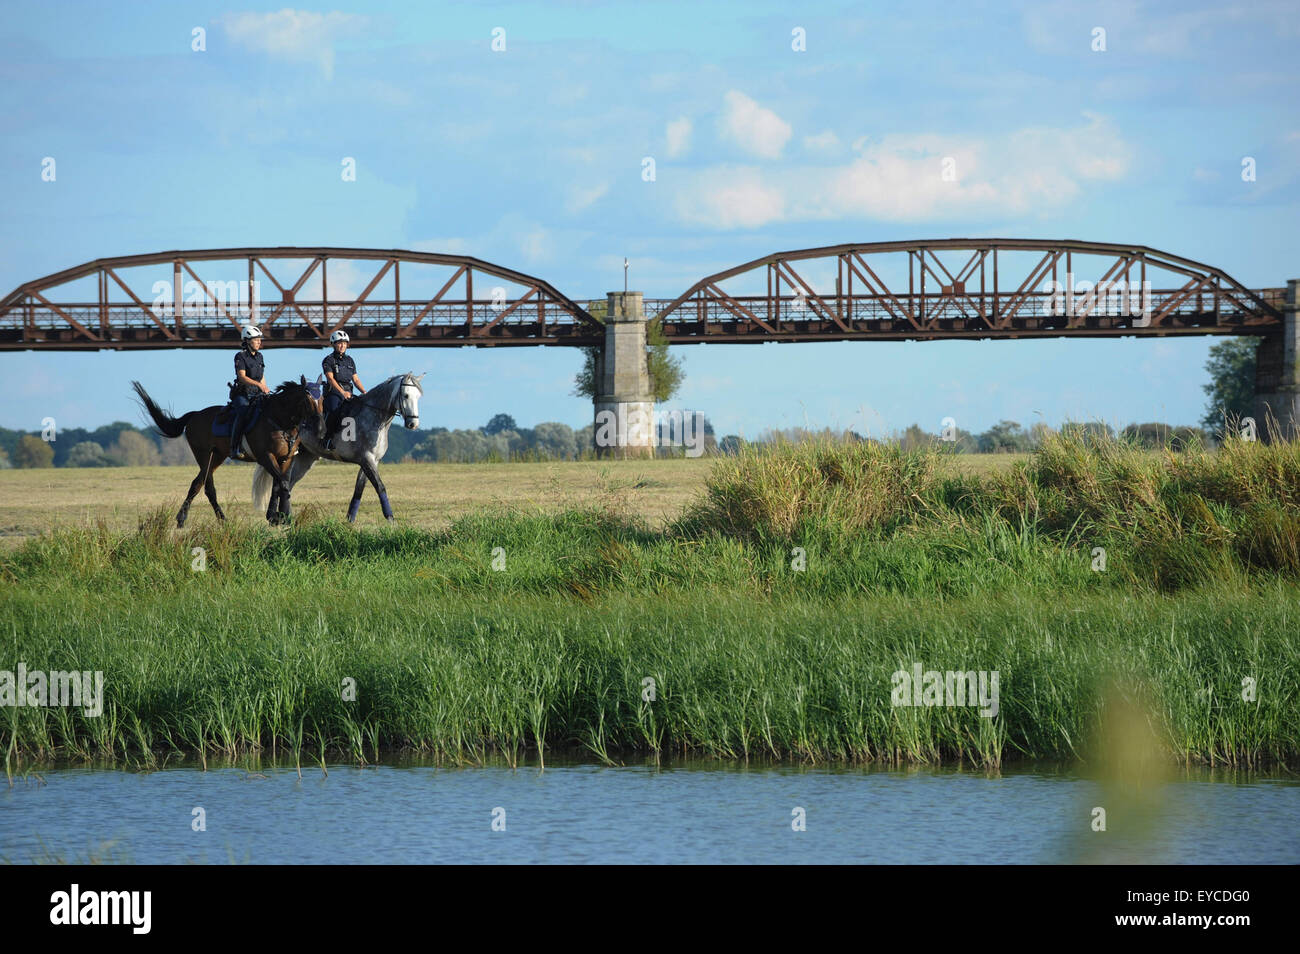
pixel 904 561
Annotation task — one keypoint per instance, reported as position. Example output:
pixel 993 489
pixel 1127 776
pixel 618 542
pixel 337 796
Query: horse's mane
pixel 288 386
pixel 389 388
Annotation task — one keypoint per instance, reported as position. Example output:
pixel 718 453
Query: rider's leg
pixel 332 404
pixel 238 409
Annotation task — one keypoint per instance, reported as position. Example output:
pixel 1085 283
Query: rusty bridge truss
pixel 966 288
pixel 950 288
pixel 199 299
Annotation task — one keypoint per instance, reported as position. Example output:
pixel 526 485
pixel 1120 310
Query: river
pixel 408 811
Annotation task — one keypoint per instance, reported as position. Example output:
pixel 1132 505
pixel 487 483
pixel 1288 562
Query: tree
pixel 554 440
pixel 664 369
pixel 1232 382
pixel 584 440
pixel 86 454
pixel 133 449
pixel 499 423
pixel 172 453
pixel 33 452
pixel 1004 437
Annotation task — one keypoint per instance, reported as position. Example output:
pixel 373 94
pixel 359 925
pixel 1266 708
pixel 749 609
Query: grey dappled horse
pixel 364 442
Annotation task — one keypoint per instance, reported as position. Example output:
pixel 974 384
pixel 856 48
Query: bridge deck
pixel 945 288
pixel 735 320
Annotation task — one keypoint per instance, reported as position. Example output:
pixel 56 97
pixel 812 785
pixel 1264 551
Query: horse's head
pixel 408 400
pixel 304 402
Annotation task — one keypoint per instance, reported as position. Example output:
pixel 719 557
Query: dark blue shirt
pixel 343 368
pixel 251 365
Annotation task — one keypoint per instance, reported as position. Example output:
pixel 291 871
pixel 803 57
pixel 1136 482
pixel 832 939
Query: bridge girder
pixel 31 315
pixel 944 302
pixel 940 301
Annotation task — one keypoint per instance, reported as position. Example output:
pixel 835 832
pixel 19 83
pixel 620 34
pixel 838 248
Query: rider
pixel 340 378
pixel 248 383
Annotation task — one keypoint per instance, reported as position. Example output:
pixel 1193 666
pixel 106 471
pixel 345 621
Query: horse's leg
pixel 286 489
pixel 357 491
pixel 194 490
pixel 214 461
pixel 370 467
pixel 272 467
pixel 302 462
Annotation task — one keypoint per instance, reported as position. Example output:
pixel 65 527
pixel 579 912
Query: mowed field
pixel 429 496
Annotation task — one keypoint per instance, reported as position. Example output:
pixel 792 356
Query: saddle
pixel 344 410
pixel 225 419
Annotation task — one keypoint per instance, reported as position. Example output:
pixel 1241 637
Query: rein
pixel 393 406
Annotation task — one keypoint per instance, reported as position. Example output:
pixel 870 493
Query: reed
pixel 904 562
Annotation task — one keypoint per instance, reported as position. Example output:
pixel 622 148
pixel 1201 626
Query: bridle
pixel 394 408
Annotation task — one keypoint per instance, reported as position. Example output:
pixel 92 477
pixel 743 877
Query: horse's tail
pixel 262 480
pixel 170 426
pixel 261 489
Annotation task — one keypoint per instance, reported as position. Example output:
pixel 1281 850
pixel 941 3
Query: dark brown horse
pixel 273 441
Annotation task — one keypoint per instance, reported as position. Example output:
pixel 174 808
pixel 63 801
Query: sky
pixel 531 157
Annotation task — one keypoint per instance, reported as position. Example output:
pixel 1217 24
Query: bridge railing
pixel 824 316
pixel 485 319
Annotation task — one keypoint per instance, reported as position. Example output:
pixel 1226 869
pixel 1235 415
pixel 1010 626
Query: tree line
pixel 1231 393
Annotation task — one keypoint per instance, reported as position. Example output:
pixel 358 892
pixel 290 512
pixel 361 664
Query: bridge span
pixel 915 290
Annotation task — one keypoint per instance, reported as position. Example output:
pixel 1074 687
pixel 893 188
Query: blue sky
pixel 532 157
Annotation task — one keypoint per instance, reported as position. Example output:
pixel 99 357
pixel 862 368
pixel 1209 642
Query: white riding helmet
pixel 339 335
pixel 250 331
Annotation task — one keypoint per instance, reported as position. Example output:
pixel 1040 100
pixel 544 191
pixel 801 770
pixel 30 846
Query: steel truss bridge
pixel 922 290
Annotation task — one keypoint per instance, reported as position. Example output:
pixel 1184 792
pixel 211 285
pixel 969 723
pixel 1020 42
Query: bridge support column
pixel 1277 374
pixel 624 404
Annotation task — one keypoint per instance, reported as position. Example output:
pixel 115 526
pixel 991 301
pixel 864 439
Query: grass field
pixel 771 612
pixel 423 495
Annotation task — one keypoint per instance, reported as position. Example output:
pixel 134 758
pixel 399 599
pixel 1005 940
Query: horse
pixel 271 442
pixel 362 440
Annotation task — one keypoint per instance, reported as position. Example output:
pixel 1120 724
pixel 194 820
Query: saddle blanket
pixel 225 418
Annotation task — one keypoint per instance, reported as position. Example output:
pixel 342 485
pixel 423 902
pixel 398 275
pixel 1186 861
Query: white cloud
pixel 731 197
pixel 298 35
pixel 678 133
pixel 754 128
pixel 898 178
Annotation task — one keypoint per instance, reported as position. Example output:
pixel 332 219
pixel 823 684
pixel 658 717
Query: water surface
pixel 696 812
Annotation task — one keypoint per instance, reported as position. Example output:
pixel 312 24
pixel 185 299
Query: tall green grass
pixel 904 561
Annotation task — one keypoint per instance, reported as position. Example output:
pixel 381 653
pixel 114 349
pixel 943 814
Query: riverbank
pixel 729 634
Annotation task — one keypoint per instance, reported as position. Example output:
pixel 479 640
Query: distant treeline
pixel 1005 437
pixel 501 439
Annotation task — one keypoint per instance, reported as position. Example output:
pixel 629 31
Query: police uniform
pixel 344 370
pixel 242 394
pixel 252 364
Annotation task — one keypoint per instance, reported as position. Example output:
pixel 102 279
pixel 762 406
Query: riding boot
pixel 236 436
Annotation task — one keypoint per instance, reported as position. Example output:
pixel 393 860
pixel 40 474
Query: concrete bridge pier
pixel 624 405
pixel 1277 375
